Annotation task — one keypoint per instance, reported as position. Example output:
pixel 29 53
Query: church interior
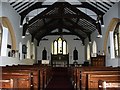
pixel 59 44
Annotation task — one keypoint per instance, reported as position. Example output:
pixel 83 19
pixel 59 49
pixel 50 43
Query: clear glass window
pixel 0 37
pixel 117 40
pixel 59 46
pixel 88 52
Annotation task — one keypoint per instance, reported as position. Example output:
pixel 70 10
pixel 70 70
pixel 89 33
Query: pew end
pixel 109 85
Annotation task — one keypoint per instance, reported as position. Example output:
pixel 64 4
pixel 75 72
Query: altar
pixel 60 60
pixel 59 55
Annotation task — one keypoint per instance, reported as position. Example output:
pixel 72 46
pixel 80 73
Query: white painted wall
pixel 7 11
pixel 71 46
pixel 14 61
pixel 112 13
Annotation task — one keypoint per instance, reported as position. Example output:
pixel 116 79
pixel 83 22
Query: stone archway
pixel 111 27
pixel 6 23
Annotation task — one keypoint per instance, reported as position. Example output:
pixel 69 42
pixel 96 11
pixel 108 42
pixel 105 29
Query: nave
pixel 43 77
pixel 60 80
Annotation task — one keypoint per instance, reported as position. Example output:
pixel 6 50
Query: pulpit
pixel 98 61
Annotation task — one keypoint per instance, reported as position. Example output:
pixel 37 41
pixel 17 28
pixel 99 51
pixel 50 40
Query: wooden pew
pixel 109 85
pixel 80 78
pixel 6 83
pixel 41 74
pixel 20 80
pixel 33 71
pixel 94 77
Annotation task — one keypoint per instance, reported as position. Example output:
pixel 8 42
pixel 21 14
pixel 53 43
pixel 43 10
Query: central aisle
pixel 60 80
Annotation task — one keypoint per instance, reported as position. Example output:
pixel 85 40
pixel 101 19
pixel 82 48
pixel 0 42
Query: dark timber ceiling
pixel 61 15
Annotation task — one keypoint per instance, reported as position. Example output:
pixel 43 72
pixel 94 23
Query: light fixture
pixel 23 36
pixel 90 42
pixel 27 32
pixel 98 27
pixel 89 37
pixel 32 43
pixel 102 25
pixel 21 26
pixel 99 36
pixel 102 22
pixel 27 19
pixel 99 18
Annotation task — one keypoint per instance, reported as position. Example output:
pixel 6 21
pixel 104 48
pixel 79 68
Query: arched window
pixel 0 37
pixel 33 51
pixel 94 49
pixel 75 54
pixel 28 50
pixel 64 47
pixel 44 54
pixel 117 40
pixel 88 52
pixel 59 46
pixel 20 51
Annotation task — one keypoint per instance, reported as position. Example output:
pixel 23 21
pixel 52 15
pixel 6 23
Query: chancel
pixel 60 44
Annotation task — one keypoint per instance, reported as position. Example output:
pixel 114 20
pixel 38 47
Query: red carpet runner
pixel 60 80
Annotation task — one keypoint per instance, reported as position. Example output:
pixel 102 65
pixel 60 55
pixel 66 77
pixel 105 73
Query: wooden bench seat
pixel 94 77
pixel 6 83
pixel 80 74
pixel 23 79
pixel 109 85
pixel 41 74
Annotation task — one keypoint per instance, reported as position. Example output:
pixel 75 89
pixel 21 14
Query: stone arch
pixel 111 27
pixel 6 23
